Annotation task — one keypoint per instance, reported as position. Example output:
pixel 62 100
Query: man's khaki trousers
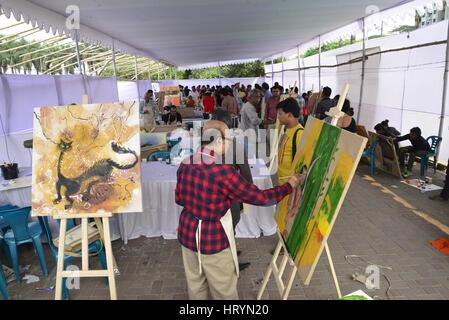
pixel 218 275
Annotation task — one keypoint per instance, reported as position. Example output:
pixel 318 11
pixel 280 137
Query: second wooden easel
pixel 278 272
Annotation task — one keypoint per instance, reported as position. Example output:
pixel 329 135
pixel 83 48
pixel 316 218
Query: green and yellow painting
pixel 329 156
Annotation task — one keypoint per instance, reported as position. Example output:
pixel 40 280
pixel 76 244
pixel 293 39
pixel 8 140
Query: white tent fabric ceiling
pixel 192 32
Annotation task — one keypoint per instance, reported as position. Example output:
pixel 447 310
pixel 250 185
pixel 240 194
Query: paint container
pixel 10 171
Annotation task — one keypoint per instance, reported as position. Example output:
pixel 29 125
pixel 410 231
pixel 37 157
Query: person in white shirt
pixel 195 94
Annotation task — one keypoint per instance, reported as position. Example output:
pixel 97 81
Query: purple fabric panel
pixel 144 86
pixel 70 89
pixel 20 95
pixel 102 89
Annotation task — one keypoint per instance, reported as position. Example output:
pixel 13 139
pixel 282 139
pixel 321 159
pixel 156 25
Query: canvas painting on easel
pixel 386 154
pixel 329 156
pixel 86 159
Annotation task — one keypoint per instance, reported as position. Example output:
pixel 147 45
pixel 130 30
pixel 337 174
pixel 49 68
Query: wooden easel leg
pixel 334 276
pixel 290 283
pixel 109 259
pixel 269 271
pixel 60 266
pixel 101 230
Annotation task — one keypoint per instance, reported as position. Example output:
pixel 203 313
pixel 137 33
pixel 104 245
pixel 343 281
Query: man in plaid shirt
pixel 205 188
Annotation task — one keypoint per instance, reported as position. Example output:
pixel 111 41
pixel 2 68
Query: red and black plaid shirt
pixel 205 190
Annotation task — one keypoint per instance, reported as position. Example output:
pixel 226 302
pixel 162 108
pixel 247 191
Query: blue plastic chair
pixel 3 224
pixel 434 146
pixel 3 284
pixel 185 150
pixel 95 247
pixel 369 153
pixel 159 155
pixel 22 232
pixel 172 143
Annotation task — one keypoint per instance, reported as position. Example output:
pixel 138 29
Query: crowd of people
pixel 249 106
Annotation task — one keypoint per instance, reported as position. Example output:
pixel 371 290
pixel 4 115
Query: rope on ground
pixel 374 264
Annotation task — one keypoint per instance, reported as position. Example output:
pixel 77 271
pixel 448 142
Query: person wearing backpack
pixel 288 112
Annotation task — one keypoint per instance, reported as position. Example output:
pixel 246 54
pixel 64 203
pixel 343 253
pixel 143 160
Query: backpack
pixel 294 143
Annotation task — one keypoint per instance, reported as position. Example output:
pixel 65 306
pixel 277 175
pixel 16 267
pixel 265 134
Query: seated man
pixel 419 147
pixel 444 195
pixel 173 117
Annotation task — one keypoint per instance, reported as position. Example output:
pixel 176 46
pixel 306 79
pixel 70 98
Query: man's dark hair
pixel 379 127
pixel 223 116
pixel 337 97
pixel 150 91
pixel 173 107
pixel 327 92
pixel 257 86
pixel 416 131
pixel 346 106
pixel 223 92
pixel 265 86
pixel 385 123
pixel 296 90
pixel 289 105
pixel 276 84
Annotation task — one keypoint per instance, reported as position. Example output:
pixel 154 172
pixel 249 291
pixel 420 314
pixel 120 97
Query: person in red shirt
pixel 190 102
pixel 271 112
pixel 205 189
pixel 208 102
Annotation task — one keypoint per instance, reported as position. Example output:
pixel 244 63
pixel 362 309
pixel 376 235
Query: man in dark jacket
pixel 419 147
pixel 244 169
pixel 325 104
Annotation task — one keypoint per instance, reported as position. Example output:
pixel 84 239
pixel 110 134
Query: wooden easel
pixel 278 272
pixel 85 272
pixel 105 235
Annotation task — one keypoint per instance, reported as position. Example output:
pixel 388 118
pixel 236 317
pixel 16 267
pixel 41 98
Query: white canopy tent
pixel 195 32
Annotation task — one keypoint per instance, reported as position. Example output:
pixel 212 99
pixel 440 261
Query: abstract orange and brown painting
pixel 86 159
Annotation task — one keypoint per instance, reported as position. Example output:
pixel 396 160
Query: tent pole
pixel 272 71
pixel 446 71
pixel 219 73
pixel 114 66
pixel 282 58
pixel 363 71
pixel 137 77
pixel 319 62
pixel 299 72
pixel 149 75
pixel 78 56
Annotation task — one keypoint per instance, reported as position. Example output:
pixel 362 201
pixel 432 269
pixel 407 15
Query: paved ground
pixel 382 228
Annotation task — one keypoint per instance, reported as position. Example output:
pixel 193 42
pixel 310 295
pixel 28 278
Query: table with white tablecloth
pixel 161 214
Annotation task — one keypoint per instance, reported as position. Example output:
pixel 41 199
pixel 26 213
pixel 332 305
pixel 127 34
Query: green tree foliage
pixel 244 70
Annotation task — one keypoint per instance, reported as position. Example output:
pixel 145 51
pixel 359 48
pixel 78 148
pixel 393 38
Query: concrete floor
pixel 383 221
